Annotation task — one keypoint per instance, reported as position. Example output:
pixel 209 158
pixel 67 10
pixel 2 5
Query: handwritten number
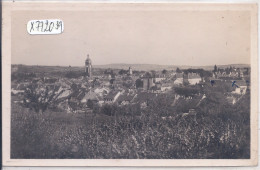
pixel 51 26
pixel 58 24
pixel 32 29
pixel 46 26
pixel 40 25
pixel 46 23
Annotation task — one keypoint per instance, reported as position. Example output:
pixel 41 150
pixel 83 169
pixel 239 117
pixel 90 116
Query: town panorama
pixel 117 113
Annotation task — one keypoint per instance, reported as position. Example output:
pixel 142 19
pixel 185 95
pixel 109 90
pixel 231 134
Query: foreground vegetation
pixel 161 131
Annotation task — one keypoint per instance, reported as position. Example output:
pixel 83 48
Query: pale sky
pixel 135 37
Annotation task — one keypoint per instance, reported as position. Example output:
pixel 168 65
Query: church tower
pixel 130 71
pixel 88 67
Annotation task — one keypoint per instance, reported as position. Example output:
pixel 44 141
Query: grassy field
pixel 70 135
pixel 49 135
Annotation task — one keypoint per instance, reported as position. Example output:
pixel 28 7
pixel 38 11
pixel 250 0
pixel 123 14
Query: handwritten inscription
pixel 47 26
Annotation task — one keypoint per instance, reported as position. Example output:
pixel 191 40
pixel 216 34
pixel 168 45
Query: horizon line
pixel 134 64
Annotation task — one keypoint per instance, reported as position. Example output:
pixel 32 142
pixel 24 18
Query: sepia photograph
pixel 133 81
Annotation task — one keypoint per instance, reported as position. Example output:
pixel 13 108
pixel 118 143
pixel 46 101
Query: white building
pixel 179 79
pixel 102 91
pixel 240 87
pixel 194 78
pixel 112 96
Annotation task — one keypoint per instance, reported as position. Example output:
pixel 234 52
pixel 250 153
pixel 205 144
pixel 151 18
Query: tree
pixel 108 109
pixel 22 76
pixel 74 87
pixel 186 91
pixel 164 71
pixel 230 69
pixel 38 99
pixel 153 72
pixel 121 72
pixel 74 74
pixel 112 81
pixel 139 83
pixel 90 104
pixel 215 68
pixel 227 70
pixel 178 70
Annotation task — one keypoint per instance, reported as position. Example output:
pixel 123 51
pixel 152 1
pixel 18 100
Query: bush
pixel 186 91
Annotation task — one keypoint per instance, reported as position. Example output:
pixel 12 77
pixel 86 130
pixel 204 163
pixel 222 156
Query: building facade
pixel 148 83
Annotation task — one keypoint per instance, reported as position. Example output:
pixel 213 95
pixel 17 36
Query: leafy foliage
pixel 122 72
pixel 37 98
pixel 178 70
pixel 164 71
pixel 74 74
pixel 201 72
pixel 17 76
pixel 186 91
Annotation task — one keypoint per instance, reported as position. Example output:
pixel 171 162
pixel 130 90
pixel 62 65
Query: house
pixel 104 82
pixel 22 86
pixel 112 96
pixel 102 91
pixel 117 82
pixel 96 83
pixel 192 78
pixel 64 83
pixel 63 94
pixel 179 79
pixel 233 74
pixel 16 92
pixel 166 86
pixel 90 95
pixel 159 78
pixel 35 80
pixel 240 87
pixel 148 81
pixel 126 98
pixel 156 88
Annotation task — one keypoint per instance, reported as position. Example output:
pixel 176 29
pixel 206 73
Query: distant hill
pixel 148 67
pixel 45 69
pixel 138 67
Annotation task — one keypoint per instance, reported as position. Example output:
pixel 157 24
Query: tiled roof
pixel 90 96
pixel 111 95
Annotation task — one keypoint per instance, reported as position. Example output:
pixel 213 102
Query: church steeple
pixel 88 67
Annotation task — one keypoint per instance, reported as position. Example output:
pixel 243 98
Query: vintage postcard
pixel 129 84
